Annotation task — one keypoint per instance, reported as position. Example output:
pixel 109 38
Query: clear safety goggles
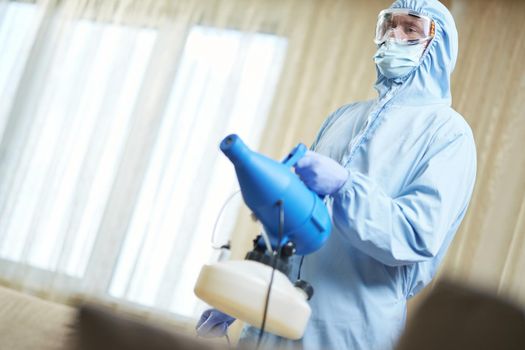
pixel 403 26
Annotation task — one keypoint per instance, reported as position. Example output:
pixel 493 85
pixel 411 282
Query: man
pixel 399 172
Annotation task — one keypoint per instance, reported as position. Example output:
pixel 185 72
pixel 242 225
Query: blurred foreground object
pixel 98 328
pixel 458 317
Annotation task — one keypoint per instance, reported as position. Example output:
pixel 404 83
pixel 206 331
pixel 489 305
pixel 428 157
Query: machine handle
pixel 297 153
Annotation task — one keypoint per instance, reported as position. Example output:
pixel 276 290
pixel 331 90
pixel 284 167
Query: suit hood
pixel 429 82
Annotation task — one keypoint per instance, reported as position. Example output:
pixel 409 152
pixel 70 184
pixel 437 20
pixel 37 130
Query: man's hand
pixel 213 323
pixel 321 174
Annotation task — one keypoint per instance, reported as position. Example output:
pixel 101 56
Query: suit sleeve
pixel 413 226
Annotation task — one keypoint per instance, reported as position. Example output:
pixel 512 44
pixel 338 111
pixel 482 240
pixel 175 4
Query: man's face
pixel 403 26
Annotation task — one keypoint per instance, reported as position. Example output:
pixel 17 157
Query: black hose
pixel 276 255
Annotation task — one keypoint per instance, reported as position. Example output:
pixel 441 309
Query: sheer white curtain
pixel 110 174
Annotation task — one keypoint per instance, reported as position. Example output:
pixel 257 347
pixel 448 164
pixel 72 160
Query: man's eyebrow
pixel 415 20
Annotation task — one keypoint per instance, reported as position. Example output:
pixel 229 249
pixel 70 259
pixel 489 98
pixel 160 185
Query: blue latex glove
pixel 213 323
pixel 321 174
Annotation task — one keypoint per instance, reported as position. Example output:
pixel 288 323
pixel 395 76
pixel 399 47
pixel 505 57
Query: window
pixel 58 184
pixel 71 106
pixel 172 224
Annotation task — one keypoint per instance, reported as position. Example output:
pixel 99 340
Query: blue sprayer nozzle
pixel 264 182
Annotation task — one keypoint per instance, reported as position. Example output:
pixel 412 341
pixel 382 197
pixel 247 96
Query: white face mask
pixel 395 60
